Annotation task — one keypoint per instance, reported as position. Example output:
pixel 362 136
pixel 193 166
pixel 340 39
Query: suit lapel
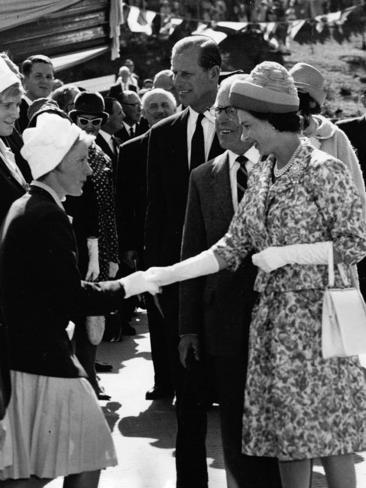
pixel 221 187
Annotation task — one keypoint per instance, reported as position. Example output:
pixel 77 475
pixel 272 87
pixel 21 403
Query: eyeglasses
pixel 95 122
pixel 229 110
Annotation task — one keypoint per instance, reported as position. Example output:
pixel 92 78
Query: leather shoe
pixel 157 392
pixel 103 367
pixel 103 396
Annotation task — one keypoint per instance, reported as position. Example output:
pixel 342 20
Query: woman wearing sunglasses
pixel 89 115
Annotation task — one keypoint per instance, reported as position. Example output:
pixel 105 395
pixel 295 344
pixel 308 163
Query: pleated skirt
pixel 53 427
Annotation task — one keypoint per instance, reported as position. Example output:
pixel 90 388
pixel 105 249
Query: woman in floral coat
pixel 299 202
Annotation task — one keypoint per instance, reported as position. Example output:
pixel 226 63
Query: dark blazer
pixel 41 288
pixel 15 143
pixel 355 129
pixel 22 122
pixel 141 128
pixel 167 188
pixel 217 306
pixel 131 193
pixel 10 189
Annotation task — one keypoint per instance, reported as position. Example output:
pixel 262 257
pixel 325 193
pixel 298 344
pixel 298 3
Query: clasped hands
pixel 268 260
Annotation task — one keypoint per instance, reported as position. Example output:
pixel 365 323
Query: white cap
pixel 46 144
pixel 7 76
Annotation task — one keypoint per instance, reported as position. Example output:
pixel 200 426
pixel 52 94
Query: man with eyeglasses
pixel 215 311
pixel 133 126
pixel 38 76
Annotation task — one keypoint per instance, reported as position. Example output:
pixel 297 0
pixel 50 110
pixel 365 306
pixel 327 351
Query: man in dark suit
pixel 38 78
pixel 106 138
pixel 176 145
pixel 157 104
pixel 132 125
pixel 355 130
pixel 215 311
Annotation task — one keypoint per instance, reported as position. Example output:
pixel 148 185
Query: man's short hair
pixel 36 58
pixel 209 51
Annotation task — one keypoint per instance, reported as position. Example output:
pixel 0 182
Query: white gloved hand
pixel 203 264
pixel 93 255
pixel 137 283
pixel 112 269
pixel 276 257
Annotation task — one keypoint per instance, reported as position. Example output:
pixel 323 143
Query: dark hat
pixel 89 103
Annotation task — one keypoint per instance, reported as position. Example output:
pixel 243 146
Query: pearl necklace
pixel 279 172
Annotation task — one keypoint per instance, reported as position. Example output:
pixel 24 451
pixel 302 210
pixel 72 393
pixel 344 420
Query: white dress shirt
pixel 208 125
pixel 108 139
pixel 253 157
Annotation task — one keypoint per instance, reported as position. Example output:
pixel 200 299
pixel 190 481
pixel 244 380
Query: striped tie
pixel 241 176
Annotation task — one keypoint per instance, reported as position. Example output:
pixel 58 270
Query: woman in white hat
pixel 321 131
pixel 55 426
pixel 300 204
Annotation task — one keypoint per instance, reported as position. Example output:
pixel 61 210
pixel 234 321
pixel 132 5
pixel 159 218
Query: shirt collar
pixel 129 127
pixel 27 99
pixel 105 135
pixel 49 190
pixel 252 154
pixel 209 114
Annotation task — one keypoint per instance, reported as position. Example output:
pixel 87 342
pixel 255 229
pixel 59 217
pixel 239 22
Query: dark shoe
pixel 156 393
pixel 128 330
pixel 103 367
pixel 103 396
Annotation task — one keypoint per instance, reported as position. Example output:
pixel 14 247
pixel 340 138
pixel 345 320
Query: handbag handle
pixel 330 266
pixel 341 270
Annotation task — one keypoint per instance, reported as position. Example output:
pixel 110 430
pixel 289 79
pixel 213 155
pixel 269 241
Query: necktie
pixel 115 145
pixel 132 133
pixel 241 176
pixel 198 144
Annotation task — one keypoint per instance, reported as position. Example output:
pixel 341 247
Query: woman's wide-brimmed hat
pixel 89 103
pixel 269 88
pixel 7 76
pixel 309 80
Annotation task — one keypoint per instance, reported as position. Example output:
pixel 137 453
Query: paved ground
pixel 144 431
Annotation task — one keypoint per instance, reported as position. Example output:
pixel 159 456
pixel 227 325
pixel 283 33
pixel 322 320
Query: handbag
pixel 343 317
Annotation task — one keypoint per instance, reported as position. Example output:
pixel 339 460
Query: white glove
pixel 112 269
pixel 276 257
pixel 137 283
pixel 203 264
pixel 93 263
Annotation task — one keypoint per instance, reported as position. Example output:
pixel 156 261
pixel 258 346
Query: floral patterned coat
pixel 297 404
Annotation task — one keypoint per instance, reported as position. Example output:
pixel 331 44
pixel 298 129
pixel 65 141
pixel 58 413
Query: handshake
pixel 149 281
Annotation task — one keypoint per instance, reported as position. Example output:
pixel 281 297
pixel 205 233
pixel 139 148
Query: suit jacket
pixel 41 288
pixel 355 129
pixel 217 307
pixel 167 188
pixel 105 147
pixel 141 128
pixel 15 143
pixel 10 189
pixel 131 193
pixel 22 122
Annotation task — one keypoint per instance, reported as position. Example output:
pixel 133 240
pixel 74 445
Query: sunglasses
pixel 95 122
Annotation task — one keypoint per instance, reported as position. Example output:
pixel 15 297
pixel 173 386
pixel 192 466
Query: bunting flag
pixel 337 24
pixel 139 20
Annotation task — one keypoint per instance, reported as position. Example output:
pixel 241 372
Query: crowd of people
pixel 219 196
